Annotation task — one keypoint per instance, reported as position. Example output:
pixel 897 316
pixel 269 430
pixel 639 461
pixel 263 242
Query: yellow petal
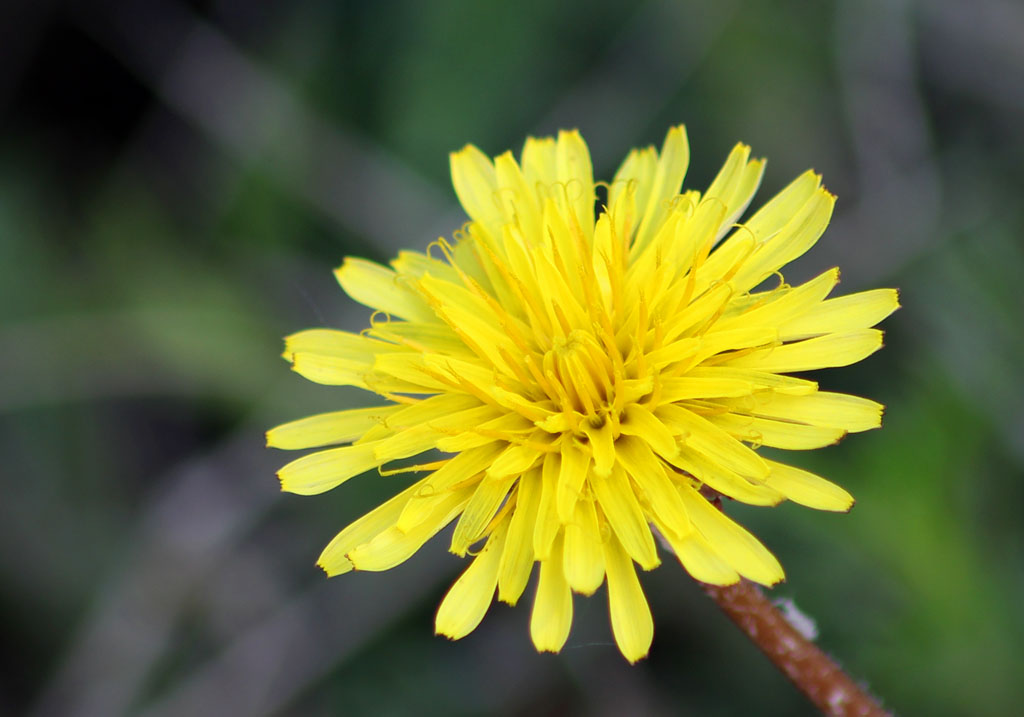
pixel 425 338
pixel 540 162
pixel 417 439
pixel 735 184
pixel 519 198
pixel 487 498
pixel 785 305
pixel 393 546
pixel 648 472
pixel 793 240
pixel 548 525
pixel 602 445
pixel 441 409
pixel 382 289
pixel 456 473
pixel 631 187
pixel 476 186
pixel 697 312
pixel 734 340
pixel 468 599
pixel 822 408
pixel 639 421
pixel 583 556
pixel 552 607
pixel 727 482
pixel 473 319
pixel 615 495
pixel 844 313
pixel 572 161
pixel 778 211
pixel 738 547
pixel 665 184
pixel 517 558
pixel 759 379
pixel 503 427
pixel 690 387
pixel 829 351
pixel 631 617
pixel 340 344
pixel 334 558
pixel 325 429
pixel 681 350
pixel 743 191
pixel 323 470
pixel 416 263
pixel 333 371
pixel 514 460
pixel 808 489
pixel 699 559
pixel 777 434
pixel 710 440
pixel 410 369
pixel 573 472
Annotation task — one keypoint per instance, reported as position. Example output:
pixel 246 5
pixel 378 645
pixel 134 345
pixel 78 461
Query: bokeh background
pixel 178 179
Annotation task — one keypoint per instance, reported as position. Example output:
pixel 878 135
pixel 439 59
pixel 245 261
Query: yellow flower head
pixel 589 382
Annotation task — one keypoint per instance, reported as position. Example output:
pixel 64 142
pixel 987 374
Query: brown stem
pixel 811 670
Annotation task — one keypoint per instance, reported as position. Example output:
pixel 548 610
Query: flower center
pixel 581 375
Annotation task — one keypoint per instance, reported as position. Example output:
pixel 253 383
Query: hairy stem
pixel 811 670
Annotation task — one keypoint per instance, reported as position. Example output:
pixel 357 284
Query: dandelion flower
pixel 590 379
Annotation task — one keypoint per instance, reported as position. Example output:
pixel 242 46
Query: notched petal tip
pixel 346 265
pixel 649 565
pixel 633 660
pixel 547 648
pixel 840 437
pixel 348 557
pixel 733 580
pixel 447 634
pixel 676 131
pixel 468 148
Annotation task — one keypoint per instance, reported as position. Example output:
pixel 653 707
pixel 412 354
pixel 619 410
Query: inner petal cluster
pixel 591 379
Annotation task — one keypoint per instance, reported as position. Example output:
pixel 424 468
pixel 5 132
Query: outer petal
pixel 844 313
pixel 552 607
pixel 808 489
pixel 518 557
pixel 327 428
pixel 583 558
pixel 829 351
pixel 383 289
pixel 619 504
pixel 665 184
pixel 739 548
pixel 631 617
pixel 394 546
pixel 466 603
pixel 572 159
pixel 476 185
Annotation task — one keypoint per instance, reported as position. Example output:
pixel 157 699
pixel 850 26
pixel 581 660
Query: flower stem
pixel 813 672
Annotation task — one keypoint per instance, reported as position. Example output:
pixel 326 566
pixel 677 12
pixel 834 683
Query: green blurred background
pixel 178 179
